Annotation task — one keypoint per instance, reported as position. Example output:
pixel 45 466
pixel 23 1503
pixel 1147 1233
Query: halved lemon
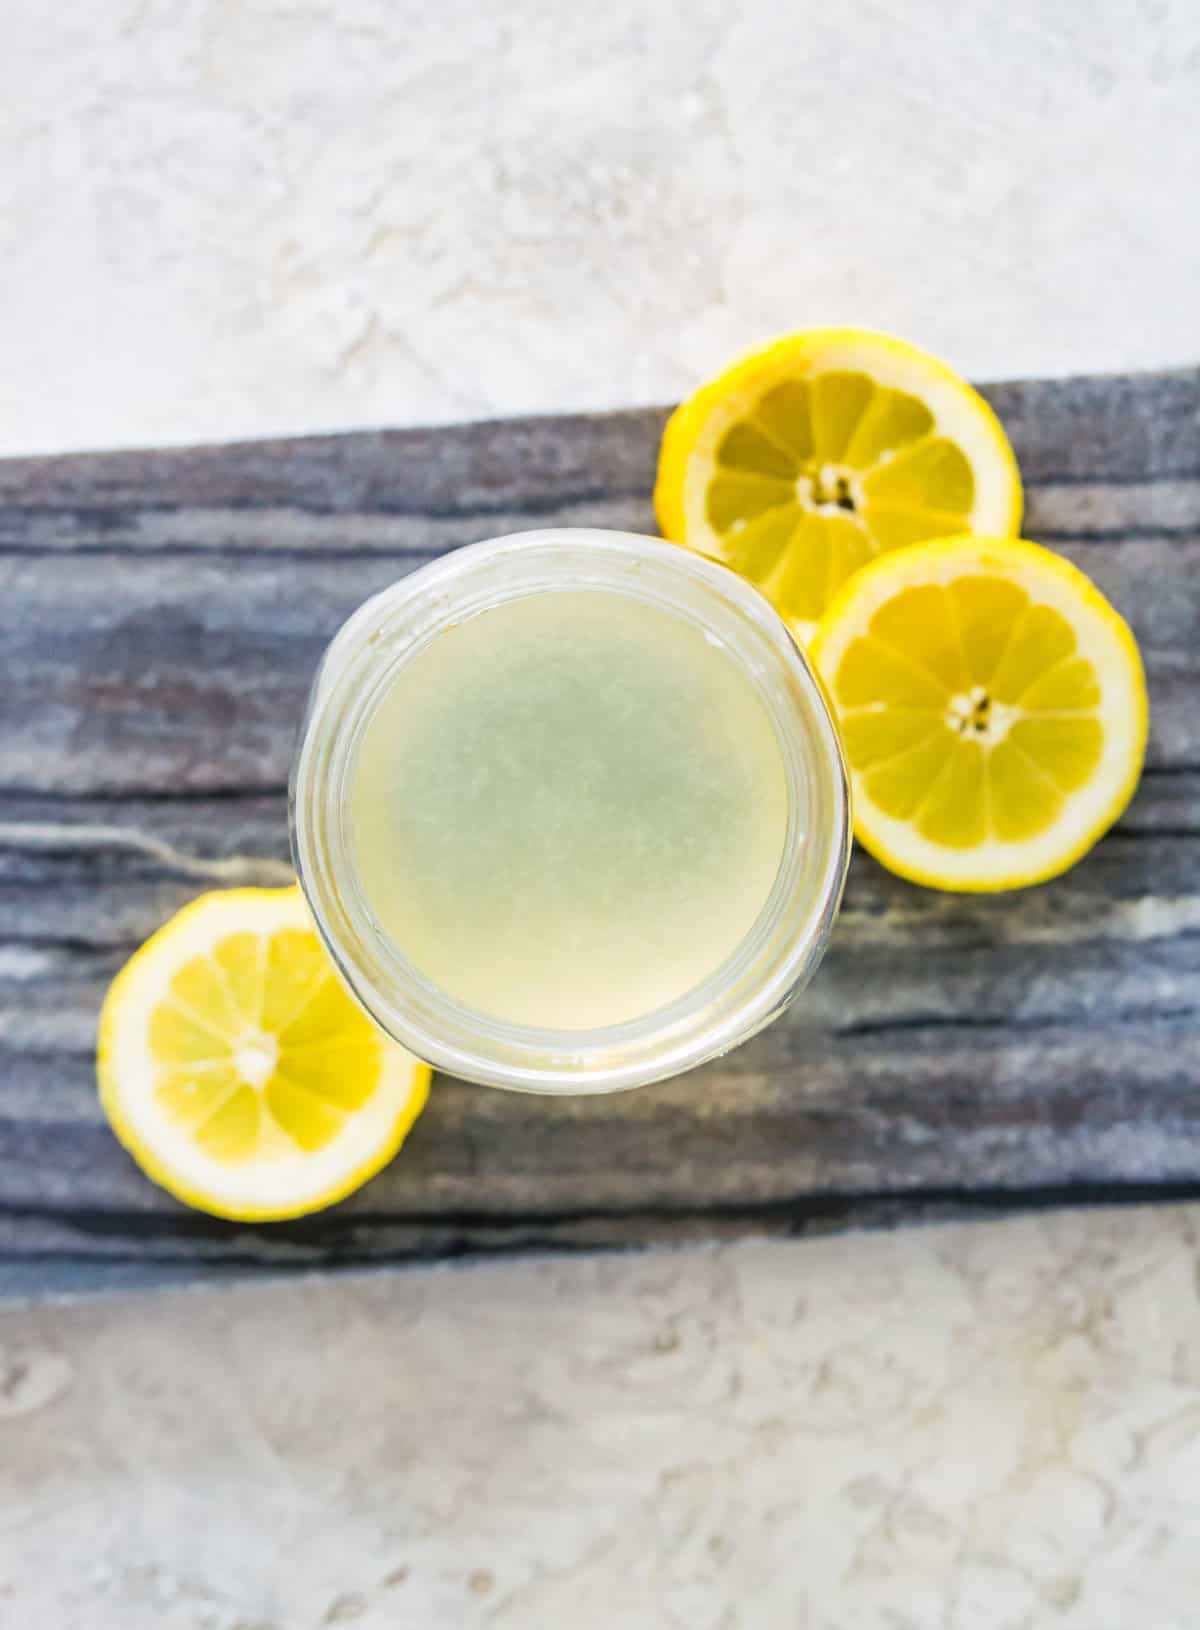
pixel 806 459
pixel 237 1071
pixel 993 707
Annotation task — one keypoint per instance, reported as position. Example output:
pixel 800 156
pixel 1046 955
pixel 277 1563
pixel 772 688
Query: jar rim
pixel 758 978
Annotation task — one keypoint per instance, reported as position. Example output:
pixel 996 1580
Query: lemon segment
pixel 809 457
pixel 238 1072
pixel 993 707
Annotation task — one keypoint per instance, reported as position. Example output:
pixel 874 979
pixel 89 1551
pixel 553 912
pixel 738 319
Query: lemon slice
pixel 806 459
pixel 993 708
pixel 237 1071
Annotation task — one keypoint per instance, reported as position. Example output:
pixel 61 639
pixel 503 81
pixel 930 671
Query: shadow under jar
pixel 570 811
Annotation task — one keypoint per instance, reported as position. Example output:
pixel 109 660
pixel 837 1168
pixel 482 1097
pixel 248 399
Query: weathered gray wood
pixel 161 617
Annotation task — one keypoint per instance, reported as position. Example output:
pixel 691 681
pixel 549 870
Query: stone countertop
pixel 227 218
pixel 992 1427
pixel 233 219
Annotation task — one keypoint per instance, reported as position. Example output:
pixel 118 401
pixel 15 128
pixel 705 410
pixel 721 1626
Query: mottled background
pixel 230 217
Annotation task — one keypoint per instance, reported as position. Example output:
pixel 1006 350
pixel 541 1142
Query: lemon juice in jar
pixel 570 811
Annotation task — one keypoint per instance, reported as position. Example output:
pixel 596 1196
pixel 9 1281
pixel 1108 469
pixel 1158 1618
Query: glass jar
pixel 754 983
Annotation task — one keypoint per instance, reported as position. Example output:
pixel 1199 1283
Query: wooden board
pixel 161 616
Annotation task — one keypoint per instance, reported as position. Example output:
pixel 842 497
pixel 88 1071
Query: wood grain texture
pixel 161 617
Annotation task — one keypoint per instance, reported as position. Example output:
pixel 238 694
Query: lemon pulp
pixel 258 1050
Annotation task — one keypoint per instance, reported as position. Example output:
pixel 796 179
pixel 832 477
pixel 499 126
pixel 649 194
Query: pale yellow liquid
pixel 569 810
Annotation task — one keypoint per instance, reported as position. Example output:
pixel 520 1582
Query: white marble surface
pixel 971 1428
pixel 227 217
pixel 230 217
